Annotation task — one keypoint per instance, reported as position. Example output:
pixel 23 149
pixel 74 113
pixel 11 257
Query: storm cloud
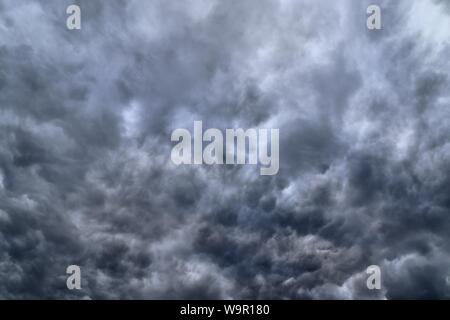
pixel 85 172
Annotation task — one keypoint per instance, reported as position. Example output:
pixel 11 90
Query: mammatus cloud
pixel 85 172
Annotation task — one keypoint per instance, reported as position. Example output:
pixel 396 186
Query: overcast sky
pixel 85 172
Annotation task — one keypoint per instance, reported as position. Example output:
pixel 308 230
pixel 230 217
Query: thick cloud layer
pixel 85 171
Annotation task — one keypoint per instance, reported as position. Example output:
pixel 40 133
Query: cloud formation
pixel 85 171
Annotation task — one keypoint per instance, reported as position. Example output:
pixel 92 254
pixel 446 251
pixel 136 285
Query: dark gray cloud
pixel 85 170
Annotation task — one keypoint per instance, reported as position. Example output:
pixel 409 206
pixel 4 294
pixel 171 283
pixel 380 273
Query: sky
pixel 86 178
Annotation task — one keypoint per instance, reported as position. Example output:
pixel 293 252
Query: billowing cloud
pixel 85 171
